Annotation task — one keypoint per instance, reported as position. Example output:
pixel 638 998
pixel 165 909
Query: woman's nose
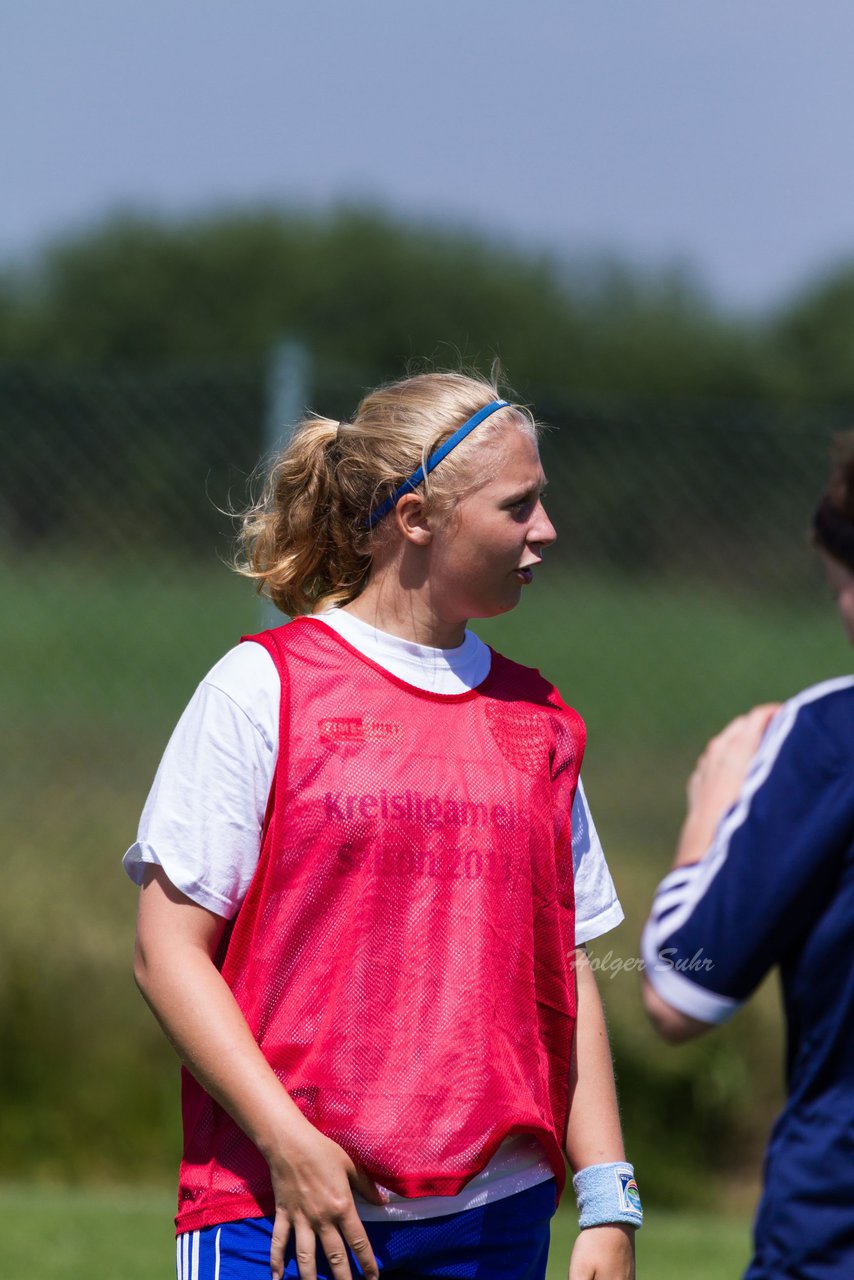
pixel 542 530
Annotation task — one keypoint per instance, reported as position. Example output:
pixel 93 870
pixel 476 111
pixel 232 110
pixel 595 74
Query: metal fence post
pixel 287 395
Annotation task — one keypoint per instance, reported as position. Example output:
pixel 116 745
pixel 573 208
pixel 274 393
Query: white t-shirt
pixel 204 815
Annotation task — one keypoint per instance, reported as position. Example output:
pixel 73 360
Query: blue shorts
pixel 505 1240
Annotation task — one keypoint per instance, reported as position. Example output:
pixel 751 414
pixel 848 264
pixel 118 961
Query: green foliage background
pixel 89 1086
pixel 99 576
pixel 363 288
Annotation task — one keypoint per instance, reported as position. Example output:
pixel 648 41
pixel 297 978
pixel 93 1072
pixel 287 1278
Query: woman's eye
pixel 526 505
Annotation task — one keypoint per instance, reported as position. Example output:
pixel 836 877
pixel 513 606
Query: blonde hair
pixel 306 541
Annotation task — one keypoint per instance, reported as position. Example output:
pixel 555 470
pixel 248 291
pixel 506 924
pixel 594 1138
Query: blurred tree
pixel 812 340
pixel 365 289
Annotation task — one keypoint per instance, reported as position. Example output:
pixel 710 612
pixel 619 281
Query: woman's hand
pixel 718 778
pixel 604 1253
pixel 313 1186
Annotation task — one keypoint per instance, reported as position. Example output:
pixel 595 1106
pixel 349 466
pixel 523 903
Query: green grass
pixel 670 1246
pixel 55 1234
pixel 96 662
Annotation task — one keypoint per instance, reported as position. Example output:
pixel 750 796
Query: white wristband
pixel 607 1193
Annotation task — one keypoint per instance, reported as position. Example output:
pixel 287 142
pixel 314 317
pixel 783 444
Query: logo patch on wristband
pixel 629 1194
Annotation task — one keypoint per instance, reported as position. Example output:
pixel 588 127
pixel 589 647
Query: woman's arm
pixel 712 788
pixel 717 780
pixel 672 1025
pixel 593 1133
pixel 312 1176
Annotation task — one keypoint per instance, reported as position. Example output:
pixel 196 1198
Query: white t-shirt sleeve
pixel 203 817
pixel 597 908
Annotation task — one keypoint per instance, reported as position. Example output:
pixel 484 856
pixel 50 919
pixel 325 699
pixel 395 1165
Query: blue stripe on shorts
pixel 505 1240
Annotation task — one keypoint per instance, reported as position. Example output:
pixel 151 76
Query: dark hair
pixel 833 519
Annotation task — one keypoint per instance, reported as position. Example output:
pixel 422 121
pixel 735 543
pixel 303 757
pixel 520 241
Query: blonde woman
pixel 367 875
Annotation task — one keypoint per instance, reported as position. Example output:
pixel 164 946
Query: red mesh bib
pixel 404 953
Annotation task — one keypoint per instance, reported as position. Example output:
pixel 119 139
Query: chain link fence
pixel 681 589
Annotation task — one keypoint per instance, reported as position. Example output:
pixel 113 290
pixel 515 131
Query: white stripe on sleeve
pixel 711 863
pixel 677 989
pixel 680 892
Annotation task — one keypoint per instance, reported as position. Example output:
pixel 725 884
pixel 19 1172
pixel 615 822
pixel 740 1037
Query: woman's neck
pixel 407 615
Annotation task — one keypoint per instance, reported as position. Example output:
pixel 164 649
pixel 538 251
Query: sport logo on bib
pixel 356 729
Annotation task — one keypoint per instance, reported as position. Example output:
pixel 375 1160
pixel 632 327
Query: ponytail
pixel 299 543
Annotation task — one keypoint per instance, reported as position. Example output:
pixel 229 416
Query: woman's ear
pixel 411 520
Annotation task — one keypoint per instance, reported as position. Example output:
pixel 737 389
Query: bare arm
pixel 717 780
pixel 671 1024
pixel 594 1135
pixel 312 1176
pixel 712 788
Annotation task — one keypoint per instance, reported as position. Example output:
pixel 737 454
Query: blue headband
pixel 433 461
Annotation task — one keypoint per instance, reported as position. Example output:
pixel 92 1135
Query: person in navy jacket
pixel 763 878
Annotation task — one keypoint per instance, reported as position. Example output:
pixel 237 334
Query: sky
pixel 716 136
